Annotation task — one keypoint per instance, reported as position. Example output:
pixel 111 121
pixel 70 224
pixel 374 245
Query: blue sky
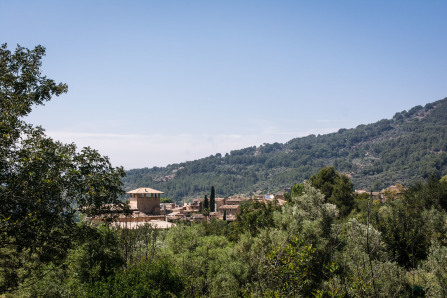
pixel 159 82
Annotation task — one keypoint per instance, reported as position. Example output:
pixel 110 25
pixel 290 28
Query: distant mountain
pixel 408 148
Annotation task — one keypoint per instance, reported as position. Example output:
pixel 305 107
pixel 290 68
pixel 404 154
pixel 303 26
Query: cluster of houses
pixel 226 208
pixel 145 207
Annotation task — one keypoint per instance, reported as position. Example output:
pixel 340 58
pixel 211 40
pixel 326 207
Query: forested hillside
pixel 407 148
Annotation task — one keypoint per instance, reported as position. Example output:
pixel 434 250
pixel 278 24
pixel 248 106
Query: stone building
pixel 144 204
pixel 146 200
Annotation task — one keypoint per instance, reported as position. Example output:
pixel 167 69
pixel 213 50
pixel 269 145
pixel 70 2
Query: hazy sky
pixel 159 82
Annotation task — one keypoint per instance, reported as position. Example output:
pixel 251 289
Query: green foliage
pixel 201 259
pixel 288 270
pixel 360 206
pixel 408 226
pixel 364 267
pixel 337 188
pixel 165 200
pixel 302 248
pixel 307 215
pixel 254 216
pixel 212 200
pixel 22 84
pixel 325 180
pixel 49 281
pixel 297 190
pixel 275 257
pixel 96 255
pixel 216 227
pixel 206 204
pixel 434 271
pixel 42 182
pixel 432 193
pixel 150 278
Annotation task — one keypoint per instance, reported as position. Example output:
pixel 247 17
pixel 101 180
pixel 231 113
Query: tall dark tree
pixel 206 204
pixel 336 187
pixel 212 200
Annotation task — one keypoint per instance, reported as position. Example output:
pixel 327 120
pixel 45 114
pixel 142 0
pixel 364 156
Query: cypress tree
pixel 212 200
pixel 225 215
pixel 205 203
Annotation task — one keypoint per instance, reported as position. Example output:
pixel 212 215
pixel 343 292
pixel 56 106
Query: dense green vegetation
pixel 42 182
pixel 306 247
pixel 406 149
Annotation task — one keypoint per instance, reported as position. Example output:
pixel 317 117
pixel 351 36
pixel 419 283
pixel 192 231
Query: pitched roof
pixel 144 190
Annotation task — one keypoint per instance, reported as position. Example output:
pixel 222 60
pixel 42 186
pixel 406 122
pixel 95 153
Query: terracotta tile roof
pixel 144 190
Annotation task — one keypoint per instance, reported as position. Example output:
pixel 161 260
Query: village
pixel 146 208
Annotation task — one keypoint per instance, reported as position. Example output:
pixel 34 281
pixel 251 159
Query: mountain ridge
pixel 407 148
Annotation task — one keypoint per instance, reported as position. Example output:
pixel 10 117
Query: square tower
pixel 146 200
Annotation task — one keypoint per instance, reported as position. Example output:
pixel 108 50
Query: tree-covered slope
pixel 409 147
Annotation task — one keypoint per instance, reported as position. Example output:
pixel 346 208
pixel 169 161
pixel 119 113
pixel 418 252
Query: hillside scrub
pixel 405 149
